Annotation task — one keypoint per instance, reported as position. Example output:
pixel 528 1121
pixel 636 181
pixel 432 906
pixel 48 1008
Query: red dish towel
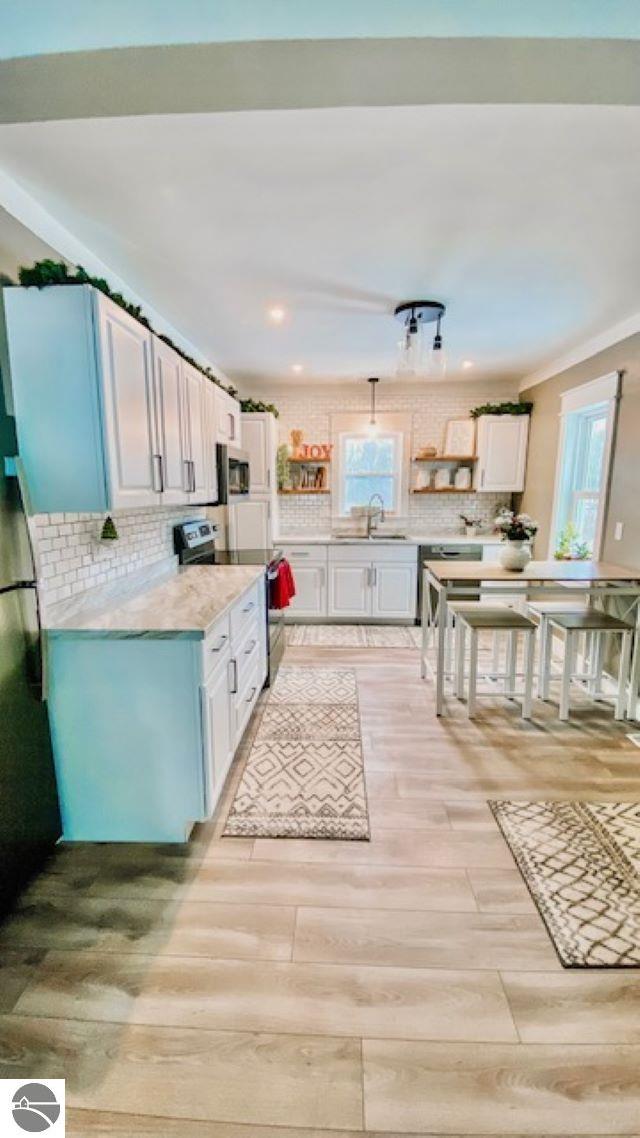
pixel 283 588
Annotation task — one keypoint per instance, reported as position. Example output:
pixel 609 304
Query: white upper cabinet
pixel 170 414
pixel 260 440
pixel 108 416
pixel 128 404
pixel 196 418
pixel 228 419
pixel 502 452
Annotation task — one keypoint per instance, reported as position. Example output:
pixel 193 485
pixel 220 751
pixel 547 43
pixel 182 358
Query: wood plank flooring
pixel 303 989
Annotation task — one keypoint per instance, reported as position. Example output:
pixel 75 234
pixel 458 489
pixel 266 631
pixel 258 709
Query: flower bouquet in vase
pixel 517 532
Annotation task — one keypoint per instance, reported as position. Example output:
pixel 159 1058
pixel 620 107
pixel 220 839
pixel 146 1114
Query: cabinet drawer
pixel 216 645
pixel 246 651
pixel 246 699
pixel 246 609
pixel 304 553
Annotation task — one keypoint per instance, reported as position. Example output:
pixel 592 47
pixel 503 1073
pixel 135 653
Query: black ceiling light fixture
pixel 373 428
pixel 416 356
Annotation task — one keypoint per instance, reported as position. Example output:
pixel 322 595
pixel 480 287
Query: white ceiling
pixel 523 220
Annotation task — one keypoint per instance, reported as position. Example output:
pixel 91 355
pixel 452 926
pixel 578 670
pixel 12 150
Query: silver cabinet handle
pixel 193 476
pixel 251 605
pixel 157 470
pixel 374 575
pixel 482 472
pixel 323 576
pixel 299 553
pixel 185 469
pixel 249 650
pixel 232 426
pixel 251 695
pixel 233 690
pixel 220 646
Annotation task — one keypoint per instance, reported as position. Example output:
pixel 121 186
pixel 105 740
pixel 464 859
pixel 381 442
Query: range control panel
pixel 191 535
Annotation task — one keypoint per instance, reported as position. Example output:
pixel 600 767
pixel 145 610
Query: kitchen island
pixel 149 696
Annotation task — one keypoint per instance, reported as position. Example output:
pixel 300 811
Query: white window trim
pixel 606 390
pixel 390 423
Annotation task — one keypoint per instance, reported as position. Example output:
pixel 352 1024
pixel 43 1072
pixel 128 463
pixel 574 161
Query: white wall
pixel 430 406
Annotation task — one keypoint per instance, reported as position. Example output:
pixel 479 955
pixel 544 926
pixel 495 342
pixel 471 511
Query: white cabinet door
pixel 170 421
pixel 259 439
pixel 129 412
pixel 311 590
pixel 502 452
pixel 394 590
pixel 228 419
pixel 349 590
pixel 250 525
pixel 196 420
pixel 211 408
pixel 219 732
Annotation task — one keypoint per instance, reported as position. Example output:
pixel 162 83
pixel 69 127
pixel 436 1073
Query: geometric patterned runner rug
pixel 353 636
pixel 304 777
pixel 581 863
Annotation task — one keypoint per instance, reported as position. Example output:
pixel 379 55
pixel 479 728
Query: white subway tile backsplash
pixel 72 558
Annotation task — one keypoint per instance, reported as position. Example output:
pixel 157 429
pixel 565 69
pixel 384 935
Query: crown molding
pixel 613 335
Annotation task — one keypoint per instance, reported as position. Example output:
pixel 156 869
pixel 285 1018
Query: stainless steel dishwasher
pixel 450 552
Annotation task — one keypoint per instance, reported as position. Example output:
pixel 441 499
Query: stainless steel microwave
pixel 233 474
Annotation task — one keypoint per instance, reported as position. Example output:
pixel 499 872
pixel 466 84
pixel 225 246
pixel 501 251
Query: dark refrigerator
pixel 29 814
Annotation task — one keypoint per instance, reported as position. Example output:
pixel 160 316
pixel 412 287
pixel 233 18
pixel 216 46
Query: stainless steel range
pixel 195 544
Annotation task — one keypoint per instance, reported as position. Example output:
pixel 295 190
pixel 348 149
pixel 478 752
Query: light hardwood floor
pixel 295 989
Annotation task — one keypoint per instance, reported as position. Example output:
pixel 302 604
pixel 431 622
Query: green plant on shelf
pixel 43 274
pixel 283 468
pixel 258 405
pixel 519 408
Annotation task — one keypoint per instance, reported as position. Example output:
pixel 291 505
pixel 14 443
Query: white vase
pixel 515 555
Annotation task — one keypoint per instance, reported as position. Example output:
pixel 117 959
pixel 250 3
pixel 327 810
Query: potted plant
pixel 471 525
pixel 569 547
pixel 517 531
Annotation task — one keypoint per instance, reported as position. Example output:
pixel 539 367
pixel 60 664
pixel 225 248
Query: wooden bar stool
pixel 493 619
pixel 542 611
pixel 598 625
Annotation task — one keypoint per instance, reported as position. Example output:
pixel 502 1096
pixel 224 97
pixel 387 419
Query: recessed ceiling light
pixel 467 364
pixel 297 368
pixel 277 314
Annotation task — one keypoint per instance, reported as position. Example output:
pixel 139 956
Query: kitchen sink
pixel 388 537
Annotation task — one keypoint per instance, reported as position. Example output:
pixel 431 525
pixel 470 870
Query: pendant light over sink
pixel 373 428
pixel 418 354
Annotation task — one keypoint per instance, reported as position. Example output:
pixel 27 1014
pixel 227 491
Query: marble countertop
pixel 426 539
pixel 186 604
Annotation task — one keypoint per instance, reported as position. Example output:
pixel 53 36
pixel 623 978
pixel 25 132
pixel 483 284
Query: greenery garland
pixel 42 274
pixel 519 408
pixel 258 405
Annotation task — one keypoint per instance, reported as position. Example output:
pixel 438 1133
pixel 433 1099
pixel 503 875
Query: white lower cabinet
pixel 311 590
pixel 394 589
pixel 350 590
pixel 218 732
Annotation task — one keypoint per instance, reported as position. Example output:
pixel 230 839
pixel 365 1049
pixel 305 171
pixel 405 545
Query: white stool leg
pixel 548 653
pixel 449 644
pixel 623 675
pixel 567 672
pixel 512 655
pixel 473 672
pixel 530 647
pixel 543 682
pixel 460 645
pixel 495 655
pixel 598 662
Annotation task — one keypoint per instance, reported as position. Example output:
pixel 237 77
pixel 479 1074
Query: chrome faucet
pixel 378 516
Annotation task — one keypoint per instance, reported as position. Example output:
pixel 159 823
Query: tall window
pixel 585 445
pixel 370 466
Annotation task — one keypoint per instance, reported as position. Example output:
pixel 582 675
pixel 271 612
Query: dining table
pixel 539 580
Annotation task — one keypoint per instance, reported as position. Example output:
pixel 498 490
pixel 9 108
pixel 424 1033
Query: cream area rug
pixel 304 776
pixel 581 862
pixel 353 636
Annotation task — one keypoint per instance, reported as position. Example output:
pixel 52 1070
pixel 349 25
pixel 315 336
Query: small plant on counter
pixel 519 408
pixel 258 405
pixel 471 524
pixel 42 274
pixel 109 531
pixel 569 547
pixel 515 527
